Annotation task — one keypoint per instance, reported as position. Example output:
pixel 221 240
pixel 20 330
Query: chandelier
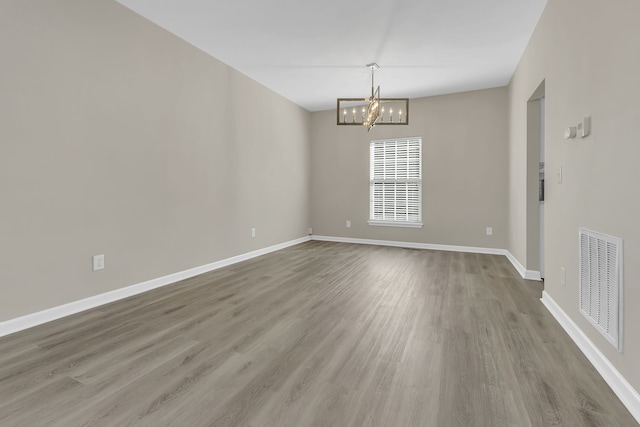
pixel 373 110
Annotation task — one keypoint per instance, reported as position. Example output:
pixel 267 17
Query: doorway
pixel 535 182
pixel 541 181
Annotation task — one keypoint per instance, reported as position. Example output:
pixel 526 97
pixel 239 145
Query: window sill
pixel 395 224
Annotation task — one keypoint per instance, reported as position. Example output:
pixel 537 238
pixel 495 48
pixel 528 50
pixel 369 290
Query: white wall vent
pixel 601 283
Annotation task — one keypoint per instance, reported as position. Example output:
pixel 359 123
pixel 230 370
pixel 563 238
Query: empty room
pixel 280 213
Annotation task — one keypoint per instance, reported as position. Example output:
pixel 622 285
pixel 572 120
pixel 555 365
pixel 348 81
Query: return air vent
pixel 601 283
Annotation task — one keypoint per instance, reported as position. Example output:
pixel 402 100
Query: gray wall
pixel 465 171
pixel 587 54
pixel 116 137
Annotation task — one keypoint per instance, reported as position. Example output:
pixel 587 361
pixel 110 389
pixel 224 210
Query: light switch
pixel 584 128
pixel 559 175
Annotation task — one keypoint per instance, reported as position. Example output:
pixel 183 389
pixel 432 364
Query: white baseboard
pixel 412 245
pixel 34 319
pixel 526 274
pixel 625 392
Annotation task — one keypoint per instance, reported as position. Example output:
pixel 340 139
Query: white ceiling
pixel 313 52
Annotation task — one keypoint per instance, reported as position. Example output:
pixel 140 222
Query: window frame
pixel 374 217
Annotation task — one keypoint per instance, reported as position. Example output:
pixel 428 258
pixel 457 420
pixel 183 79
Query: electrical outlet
pixel 310 231
pixel 489 231
pixel 563 276
pixel 348 224
pixel 253 232
pixel 98 262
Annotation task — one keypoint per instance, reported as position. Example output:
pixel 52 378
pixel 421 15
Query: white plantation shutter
pixel 396 182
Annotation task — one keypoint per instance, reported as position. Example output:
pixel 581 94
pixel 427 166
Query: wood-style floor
pixel 319 334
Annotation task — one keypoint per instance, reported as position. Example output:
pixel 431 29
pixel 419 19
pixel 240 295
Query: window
pixel 396 182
